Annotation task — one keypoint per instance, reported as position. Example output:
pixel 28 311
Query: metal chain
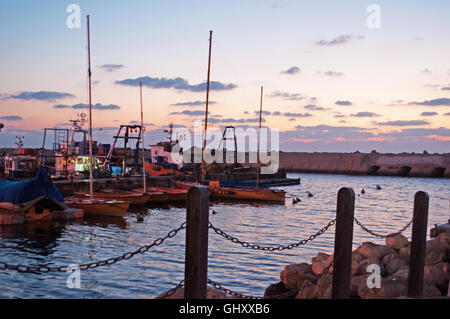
pixel 271 248
pixel 230 292
pixel 106 262
pixel 381 235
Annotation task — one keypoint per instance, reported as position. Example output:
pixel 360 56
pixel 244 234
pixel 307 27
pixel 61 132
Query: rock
pixel 320 257
pixel 430 290
pixel 397 241
pixel 368 249
pixel 394 265
pixel 405 251
pixel 294 275
pixel 402 273
pixel 390 288
pixel 319 266
pixel 211 293
pixel 275 290
pixel 357 257
pixel 389 257
pixel 435 245
pixel 355 283
pixel 445 237
pixel 437 274
pixel 435 257
pixel 309 292
pixel 362 267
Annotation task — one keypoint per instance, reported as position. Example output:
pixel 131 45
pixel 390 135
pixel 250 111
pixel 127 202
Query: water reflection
pixel 383 210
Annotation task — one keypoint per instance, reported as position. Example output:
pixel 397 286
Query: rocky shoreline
pixel 314 280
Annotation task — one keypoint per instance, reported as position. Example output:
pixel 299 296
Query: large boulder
pixel 293 276
pixel 397 241
pixel 394 265
pixel 321 263
pixel 368 249
pixel 275 290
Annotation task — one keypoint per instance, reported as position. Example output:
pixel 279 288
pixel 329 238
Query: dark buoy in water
pixel 140 219
pixel 296 200
pixel 363 191
pixel 378 187
pixel 214 212
pixel 309 194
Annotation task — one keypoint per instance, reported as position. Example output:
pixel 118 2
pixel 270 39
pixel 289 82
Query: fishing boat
pixel 95 205
pixel 132 198
pixel 100 207
pixel 240 193
pixel 165 194
pixel 34 199
pixel 221 192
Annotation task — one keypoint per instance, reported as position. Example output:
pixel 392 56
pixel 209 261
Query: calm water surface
pixel 237 268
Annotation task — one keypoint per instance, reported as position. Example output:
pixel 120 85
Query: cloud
pixel 339 115
pixel 426 71
pixel 343 103
pixel 342 39
pixel 289 114
pixel 239 121
pixel 365 114
pixel 287 96
pixel 176 83
pixel 193 103
pixel 263 113
pixel 97 106
pixel 111 67
pixel 403 123
pixel 292 70
pixel 333 73
pixel 447 114
pixel 446 88
pixel 11 118
pixel 41 96
pixel 189 113
pixel 436 102
pixel 313 107
pixel 429 113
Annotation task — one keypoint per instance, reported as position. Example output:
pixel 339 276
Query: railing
pixel 197 226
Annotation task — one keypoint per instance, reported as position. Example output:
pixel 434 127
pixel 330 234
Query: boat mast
pixel 142 139
pixel 258 169
pixel 91 188
pixel 206 113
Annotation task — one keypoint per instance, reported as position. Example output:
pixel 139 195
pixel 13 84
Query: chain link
pixel 106 262
pixel 230 292
pixel 271 248
pixel 381 235
pixel 170 292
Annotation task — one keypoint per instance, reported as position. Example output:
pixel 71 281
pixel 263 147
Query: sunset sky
pixel 331 83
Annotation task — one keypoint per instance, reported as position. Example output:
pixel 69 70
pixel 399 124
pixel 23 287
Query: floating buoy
pixel 363 191
pixel 214 212
pixel 309 194
pixel 140 218
pixel 378 187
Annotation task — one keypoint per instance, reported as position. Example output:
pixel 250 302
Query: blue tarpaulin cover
pixel 28 191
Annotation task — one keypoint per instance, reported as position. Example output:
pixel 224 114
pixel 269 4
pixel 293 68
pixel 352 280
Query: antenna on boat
pixel 91 186
pixel 206 113
pixel 258 169
pixel 142 138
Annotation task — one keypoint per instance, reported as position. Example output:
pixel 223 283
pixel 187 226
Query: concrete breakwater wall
pixel 404 164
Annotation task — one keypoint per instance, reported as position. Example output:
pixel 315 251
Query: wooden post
pixel 418 245
pixel 196 263
pixel 343 243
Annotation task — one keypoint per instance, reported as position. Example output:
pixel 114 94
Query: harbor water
pixel 240 269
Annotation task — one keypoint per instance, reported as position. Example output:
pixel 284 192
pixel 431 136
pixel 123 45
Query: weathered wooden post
pixel 418 245
pixel 343 243
pixel 196 262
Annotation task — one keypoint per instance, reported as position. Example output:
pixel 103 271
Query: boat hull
pixel 129 197
pixel 99 207
pixel 165 194
pixel 239 193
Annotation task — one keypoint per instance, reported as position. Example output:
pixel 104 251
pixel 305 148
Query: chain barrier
pixel 170 292
pixel 381 235
pixel 230 292
pixel 106 262
pixel 271 248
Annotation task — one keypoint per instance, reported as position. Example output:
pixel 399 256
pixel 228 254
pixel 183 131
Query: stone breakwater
pixel 314 281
